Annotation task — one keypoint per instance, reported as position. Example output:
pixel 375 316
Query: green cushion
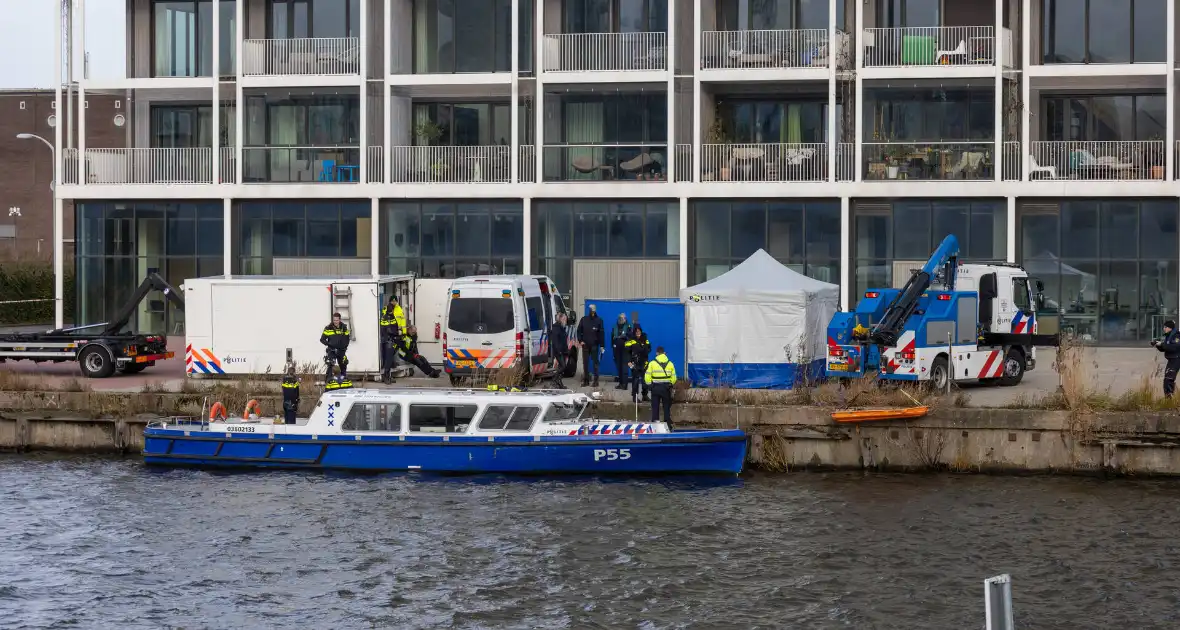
pixel 918 50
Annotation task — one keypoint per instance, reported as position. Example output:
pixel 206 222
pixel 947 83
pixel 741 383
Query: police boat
pixel 446 431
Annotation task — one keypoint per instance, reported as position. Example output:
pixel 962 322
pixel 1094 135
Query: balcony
pixel 311 56
pixel 229 160
pixel 928 160
pixel 422 165
pixel 764 162
pixel 527 168
pixel 1012 161
pixel 1098 161
pixel 803 48
pixel 684 163
pixel 943 47
pixel 375 165
pixel 586 162
pixel 301 165
pixel 605 52
pixel 142 166
pixel 845 162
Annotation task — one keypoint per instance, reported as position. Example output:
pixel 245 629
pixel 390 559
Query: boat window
pixel 480 316
pixel 508 418
pixel 373 417
pixel 441 418
pixel 562 412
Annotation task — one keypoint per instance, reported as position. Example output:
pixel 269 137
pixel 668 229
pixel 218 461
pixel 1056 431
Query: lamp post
pixel 57 236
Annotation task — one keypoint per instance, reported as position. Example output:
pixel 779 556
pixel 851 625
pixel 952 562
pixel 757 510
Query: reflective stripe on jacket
pixel 660 371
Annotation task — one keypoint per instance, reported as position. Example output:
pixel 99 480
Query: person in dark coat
pixel 409 348
pixel 335 339
pixel 559 348
pixel 290 396
pixel 618 341
pixel 639 348
pixel 592 335
pixel 1170 346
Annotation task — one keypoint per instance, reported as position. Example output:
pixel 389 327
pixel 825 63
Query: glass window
pixel 552 229
pixel 508 418
pixel 662 230
pixel 1158 234
pixel 507 230
pixel 536 312
pixel 1079 229
pixel 591 230
pixel 1109 31
pixel 823 231
pixel 711 229
pixel 373 417
pixel 748 233
pixel 1039 233
pixel 1151 36
pixel 911 230
pixel 438 230
pixel 1103 31
pixel 1120 225
pixel 473 233
pixel 626 230
pixel 482 316
pixel 441 418
pixel 784 231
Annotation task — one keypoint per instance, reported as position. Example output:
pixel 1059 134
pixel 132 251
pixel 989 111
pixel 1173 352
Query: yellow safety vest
pixel 396 316
pixel 291 385
pixel 660 371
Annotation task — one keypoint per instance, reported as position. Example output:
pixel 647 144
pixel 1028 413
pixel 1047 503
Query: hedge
pixel 31 281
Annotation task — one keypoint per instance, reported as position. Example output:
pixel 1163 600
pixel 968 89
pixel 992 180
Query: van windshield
pixel 481 316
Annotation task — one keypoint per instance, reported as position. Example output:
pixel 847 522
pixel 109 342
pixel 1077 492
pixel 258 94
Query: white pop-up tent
pixel 757 325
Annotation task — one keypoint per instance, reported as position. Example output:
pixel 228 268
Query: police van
pixel 502 323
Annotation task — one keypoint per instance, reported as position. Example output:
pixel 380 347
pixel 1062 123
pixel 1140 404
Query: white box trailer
pixel 431 297
pixel 256 324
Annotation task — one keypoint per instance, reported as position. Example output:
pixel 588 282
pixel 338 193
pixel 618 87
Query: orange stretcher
pixel 868 415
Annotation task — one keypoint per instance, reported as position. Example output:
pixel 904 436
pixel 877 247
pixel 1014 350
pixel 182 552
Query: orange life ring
pixel 253 404
pixel 215 410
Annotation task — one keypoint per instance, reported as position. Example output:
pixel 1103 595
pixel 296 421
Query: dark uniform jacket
pixel 558 340
pixel 410 345
pixel 591 331
pixel 1170 345
pixel 392 322
pixel 640 351
pixel 335 338
pixel 290 390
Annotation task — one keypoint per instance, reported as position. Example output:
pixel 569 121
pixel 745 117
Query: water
pixel 101 542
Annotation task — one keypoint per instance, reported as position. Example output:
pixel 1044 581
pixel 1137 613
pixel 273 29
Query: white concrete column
pixel 860 97
pixel 363 170
pixel 514 103
pixel 539 98
pixel 1170 134
pixel 527 225
pixel 240 108
pixel 998 171
pixel 81 130
pixel 846 263
pixel 375 238
pixel 833 140
pixel 216 81
pixel 1011 230
pixel 684 242
pixel 387 63
pixel 670 56
pixel 227 236
pixel 1026 142
pixel 58 211
pixel 697 114
pixel 80 32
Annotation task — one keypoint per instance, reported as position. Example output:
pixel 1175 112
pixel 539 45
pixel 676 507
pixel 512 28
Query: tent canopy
pixel 760 278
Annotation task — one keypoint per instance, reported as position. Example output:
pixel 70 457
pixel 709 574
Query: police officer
pixel 639 347
pixel 618 341
pixel 591 334
pixel 409 348
pixel 393 326
pixel 559 348
pixel 290 396
pixel 1170 346
pixel 660 376
pixel 335 339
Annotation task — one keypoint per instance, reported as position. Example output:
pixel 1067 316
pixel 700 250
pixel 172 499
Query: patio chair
pixel 969 163
pixel 586 165
pixel 956 56
pixel 1034 168
pixel 1087 159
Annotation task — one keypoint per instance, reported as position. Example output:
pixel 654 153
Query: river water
pixel 104 542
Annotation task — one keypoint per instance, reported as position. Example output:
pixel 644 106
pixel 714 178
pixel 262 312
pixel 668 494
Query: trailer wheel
pixel 96 362
pixel 1013 368
pixel 571 366
pixel 134 368
pixel 939 374
pixel 455 380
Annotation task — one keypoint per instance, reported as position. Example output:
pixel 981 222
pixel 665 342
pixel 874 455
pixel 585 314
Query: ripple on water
pixel 94 542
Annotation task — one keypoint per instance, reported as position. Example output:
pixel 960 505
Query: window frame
pixel 397 407
pixel 1048 35
pixel 408 422
pixel 504 429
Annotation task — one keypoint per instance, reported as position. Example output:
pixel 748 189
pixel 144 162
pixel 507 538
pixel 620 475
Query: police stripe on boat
pixel 613 429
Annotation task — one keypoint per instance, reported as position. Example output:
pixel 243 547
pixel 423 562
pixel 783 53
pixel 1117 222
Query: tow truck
pixel 106 348
pixel 950 322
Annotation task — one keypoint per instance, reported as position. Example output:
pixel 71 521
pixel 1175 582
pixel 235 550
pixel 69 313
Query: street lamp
pixel 52 152
pixel 58 278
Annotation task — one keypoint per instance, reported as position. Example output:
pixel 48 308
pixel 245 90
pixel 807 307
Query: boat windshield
pixel 564 412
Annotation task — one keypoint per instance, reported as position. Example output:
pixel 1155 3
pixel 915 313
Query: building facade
pixel 633 147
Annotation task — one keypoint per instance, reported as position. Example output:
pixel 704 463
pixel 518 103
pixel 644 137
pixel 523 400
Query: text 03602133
pixel 611 454
pixel 240 429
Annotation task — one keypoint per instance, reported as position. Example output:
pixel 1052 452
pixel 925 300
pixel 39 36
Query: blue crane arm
pixel 887 331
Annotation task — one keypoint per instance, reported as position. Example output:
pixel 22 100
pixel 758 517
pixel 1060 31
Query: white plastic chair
pixel 959 51
pixel 1034 168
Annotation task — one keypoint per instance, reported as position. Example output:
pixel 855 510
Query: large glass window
pixel 615 16
pixel 889 238
pixel 292 19
pixel 299 229
pixel 297 136
pixel 190 126
pixel 773 121
pixel 118 243
pixel 908 115
pixel 1109 266
pixel 463 124
pixel 463 36
pixel 605 136
pixel 908 13
pixel 444 239
pixel 752 15
pixel 183 38
pixel 803 235
pixel 563 231
pixel 1104 31
pixel 1104 117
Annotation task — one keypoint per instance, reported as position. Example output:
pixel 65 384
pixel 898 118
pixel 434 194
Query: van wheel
pixel 939 374
pixel 1013 368
pixel 571 366
pixel 96 362
pixel 455 380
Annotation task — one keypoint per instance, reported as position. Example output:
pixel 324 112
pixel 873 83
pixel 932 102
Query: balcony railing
pixel 527 168
pixel 683 164
pixel 930 46
pixel 1094 160
pixel 229 160
pixel 419 165
pixel 604 52
pixel 1012 161
pixel 303 56
pixel 845 162
pixel 375 165
pixel 306 165
pixel 142 166
pixel 928 160
pixel 803 48
pixel 596 162
pixel 764 162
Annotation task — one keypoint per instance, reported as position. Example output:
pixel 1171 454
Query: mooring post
pixel 997 602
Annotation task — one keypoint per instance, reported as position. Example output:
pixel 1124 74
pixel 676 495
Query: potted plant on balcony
pixel 895 154
pixel 1151 156
pixel 428 133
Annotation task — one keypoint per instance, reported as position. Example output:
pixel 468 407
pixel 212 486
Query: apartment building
pixel 633 147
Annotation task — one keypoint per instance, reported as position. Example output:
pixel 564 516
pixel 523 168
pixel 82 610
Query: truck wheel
pixel 1013 368
pixel 571 366
pixel 455 380
pixel 96 362
pixel 134 368
pixel 939 374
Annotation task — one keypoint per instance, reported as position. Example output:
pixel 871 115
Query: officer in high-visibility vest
pixel 660 377
pixel 290 396
pixel 393 327
pixel 335 339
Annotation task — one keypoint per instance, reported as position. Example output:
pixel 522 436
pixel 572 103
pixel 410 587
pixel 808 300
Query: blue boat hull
pixel 677 452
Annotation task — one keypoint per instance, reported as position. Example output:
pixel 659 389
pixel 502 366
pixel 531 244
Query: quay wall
pixel 782 438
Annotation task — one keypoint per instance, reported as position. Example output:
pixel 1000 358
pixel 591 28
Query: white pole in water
pixel 997 602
